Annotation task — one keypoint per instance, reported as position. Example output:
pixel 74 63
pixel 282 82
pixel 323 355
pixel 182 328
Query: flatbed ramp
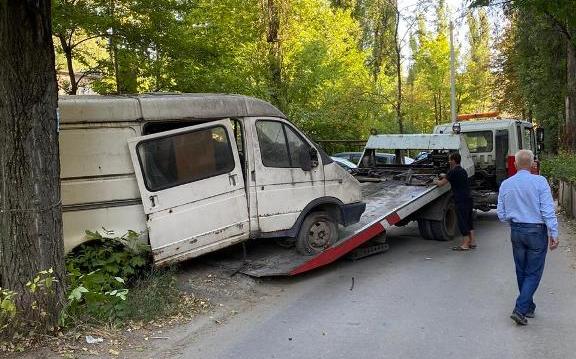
pixel 387 203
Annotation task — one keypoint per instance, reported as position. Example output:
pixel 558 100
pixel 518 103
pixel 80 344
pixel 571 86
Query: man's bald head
pixel 524 159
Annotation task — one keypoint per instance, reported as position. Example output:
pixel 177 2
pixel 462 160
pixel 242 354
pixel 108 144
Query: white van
pixel 199 172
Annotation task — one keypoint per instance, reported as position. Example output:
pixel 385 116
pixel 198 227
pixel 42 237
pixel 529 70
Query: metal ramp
pixel 386 204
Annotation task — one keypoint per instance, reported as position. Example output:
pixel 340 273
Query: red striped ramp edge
pixel 331 254
pixel 393 218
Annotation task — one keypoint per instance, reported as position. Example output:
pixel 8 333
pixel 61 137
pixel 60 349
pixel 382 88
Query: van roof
pixel 161 107
pixel 487 124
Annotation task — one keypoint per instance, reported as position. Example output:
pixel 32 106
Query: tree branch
pixel 558 25
pixel 87 39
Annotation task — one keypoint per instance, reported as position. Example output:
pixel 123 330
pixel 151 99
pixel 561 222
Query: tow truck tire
pixel 424 228
pixel 445 229
pixel 318 232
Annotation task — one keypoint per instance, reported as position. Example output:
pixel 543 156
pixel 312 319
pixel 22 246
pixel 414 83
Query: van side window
pixel 479 141
pixel 280 146
pixel 186 157
pixel 295 147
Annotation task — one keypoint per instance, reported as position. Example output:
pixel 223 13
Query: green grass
pixel 154 295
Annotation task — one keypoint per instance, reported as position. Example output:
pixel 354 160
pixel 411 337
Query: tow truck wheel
pixel 424 228
pixel 445 229
pixel 317 233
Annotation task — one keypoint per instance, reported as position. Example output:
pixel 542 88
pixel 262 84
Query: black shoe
pixel 519 318
pixel 531 311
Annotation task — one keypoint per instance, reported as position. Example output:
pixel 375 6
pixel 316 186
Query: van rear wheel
pixel 317 233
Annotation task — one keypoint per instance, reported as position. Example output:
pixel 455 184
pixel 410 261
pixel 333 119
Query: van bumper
pixel 352 212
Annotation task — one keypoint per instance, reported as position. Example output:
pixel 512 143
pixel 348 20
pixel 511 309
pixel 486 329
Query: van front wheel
pixel 317 233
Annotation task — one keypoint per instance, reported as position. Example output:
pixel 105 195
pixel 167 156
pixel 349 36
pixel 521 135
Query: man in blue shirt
pixel 525 201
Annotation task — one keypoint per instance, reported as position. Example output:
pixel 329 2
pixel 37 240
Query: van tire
pixel 318 232
pixel 445 229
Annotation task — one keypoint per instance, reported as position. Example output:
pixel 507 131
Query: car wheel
pixel 317 233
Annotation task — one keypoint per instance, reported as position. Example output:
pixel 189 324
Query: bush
pixel 562 166
pixel 40 286
pixel 7 308
pixel 98 274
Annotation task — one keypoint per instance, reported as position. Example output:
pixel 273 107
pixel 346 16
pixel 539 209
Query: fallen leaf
pixel 113 352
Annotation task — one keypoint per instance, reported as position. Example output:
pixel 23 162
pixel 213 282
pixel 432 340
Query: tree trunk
pixel 30 208
pixel 71 75
pixel 275 53
pixel 570 132
pixel 435 110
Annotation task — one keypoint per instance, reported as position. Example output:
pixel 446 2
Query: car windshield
pixel 344 162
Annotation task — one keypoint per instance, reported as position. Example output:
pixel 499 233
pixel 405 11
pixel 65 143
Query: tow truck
pixel 493 140
pixel 395 194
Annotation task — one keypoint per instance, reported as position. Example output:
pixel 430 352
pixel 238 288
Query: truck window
pixel 280 146
pixel 479 141
pixel 527 138
pixel 186 157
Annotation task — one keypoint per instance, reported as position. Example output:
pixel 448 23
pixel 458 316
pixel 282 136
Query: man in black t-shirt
pixel 458 179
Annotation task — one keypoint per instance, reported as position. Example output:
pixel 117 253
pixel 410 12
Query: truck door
pixel 501 156
pixel 192 190
pixel 283 188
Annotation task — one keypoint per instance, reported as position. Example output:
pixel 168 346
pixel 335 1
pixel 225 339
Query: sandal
pixel 460 249
pixel 473 246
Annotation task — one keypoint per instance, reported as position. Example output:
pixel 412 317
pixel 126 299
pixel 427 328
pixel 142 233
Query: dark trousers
pixel 529 247
pixel 464 214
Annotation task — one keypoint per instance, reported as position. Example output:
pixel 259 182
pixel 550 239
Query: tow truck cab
pixel 492 144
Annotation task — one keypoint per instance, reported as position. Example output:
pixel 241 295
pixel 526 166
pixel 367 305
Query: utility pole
pixel 452 76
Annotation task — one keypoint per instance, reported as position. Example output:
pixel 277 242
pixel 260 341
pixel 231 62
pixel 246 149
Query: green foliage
pixel 428 88
pixel 531 73
pixel 562 166
pixel 98 272
pixel 475 84
pixel 7 308
pixel 39 289
pixel 330 65
pixel 152 295
pixel 112 256
pixel 95 296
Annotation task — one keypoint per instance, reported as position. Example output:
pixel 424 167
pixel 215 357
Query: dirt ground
pixel 219 294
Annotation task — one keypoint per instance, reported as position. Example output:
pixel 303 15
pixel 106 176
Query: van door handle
pixel 153 200
pixel 232 179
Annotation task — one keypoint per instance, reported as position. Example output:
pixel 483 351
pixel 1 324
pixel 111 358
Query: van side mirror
pixel 308 158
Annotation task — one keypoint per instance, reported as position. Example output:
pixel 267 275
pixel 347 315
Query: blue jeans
pixel 529 246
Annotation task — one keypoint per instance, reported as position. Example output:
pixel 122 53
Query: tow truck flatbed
pixel 387 203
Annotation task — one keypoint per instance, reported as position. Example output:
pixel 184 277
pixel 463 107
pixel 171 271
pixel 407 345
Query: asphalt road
pixel 418 300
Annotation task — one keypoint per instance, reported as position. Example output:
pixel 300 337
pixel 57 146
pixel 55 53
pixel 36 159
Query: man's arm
pixel 444 179
pixel 441 182
pixel 501 208
pixel 547 209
